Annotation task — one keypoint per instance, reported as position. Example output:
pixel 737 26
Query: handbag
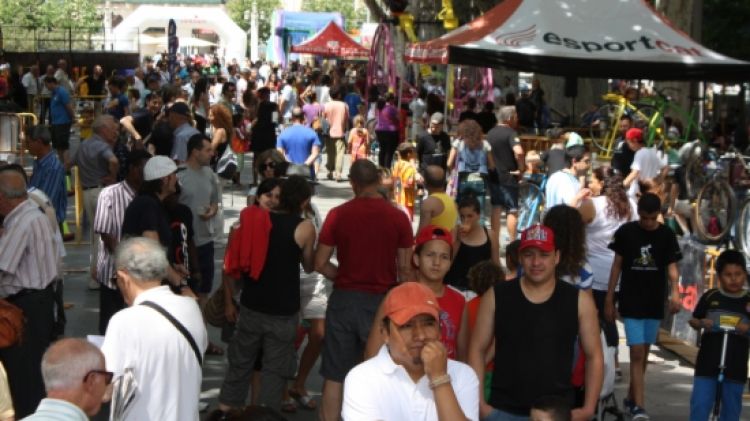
pixel 227 165
pixel 11 324
pixel 213 310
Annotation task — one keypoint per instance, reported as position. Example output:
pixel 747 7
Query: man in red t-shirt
pixel 372 239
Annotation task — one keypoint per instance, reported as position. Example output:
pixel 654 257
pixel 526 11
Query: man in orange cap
pixel 411 378
pixel 537 322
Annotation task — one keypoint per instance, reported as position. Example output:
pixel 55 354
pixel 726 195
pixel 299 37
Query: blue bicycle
pixel 530 202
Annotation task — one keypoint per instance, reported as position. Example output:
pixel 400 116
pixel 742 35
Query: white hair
pixel 67 361
pixel 143 258
pixel 101 122
pixel 506 113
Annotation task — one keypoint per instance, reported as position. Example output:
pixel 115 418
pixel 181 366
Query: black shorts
pixel 349 318
pixel 60 136
pixel 504 195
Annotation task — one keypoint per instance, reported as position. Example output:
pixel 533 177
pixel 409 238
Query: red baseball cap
pixel 538 236
pixel 433 232
pixel 635 134
pixel 408 300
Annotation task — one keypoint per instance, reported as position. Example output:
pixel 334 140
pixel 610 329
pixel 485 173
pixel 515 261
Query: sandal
pixel 289 406
pixel 305 401
pixel 214 349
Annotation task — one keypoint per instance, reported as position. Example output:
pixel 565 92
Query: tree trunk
pixel 686 16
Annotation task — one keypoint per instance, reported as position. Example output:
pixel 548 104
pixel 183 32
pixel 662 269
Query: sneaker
pixel 639 414
pixel 628 404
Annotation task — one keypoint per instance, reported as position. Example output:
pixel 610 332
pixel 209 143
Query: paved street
pixel 668 379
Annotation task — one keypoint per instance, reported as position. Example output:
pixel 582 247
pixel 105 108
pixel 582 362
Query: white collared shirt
pixel 379 389
pixel 57 410
pixel 165 367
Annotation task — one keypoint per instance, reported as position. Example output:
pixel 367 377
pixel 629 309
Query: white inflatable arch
pixel 232 39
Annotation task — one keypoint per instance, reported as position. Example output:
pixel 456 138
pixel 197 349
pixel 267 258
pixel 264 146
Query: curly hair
pixel 570 238
pixel 222 119
pixel 484 275
pixel 471 132
pixel 618 204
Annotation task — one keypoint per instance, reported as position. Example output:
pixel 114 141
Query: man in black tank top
pixel 536 322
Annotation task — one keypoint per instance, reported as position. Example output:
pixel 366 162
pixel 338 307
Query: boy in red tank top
pixel 432 259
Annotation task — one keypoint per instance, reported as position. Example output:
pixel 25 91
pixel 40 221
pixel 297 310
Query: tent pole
pixel 445 113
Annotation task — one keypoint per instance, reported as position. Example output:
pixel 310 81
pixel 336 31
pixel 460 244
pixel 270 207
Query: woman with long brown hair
pixel 609 208
pixel 221 129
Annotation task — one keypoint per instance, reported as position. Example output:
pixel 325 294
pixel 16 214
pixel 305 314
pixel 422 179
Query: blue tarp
pixel 289 28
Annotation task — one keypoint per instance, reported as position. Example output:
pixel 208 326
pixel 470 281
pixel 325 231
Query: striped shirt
pixel 110 213
pixel 49 177
pixel 28 250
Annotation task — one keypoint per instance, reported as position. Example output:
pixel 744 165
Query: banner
pixel 172 43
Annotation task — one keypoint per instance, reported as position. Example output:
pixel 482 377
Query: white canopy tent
pixel 232 39
pixel 579 38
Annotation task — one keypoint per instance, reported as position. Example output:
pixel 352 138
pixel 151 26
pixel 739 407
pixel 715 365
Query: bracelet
pixel 444 379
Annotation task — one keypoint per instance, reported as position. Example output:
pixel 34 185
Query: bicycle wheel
pixel 742 228
pixel 530 201
pixel 695 171
pixel 604 129
pixel 714 211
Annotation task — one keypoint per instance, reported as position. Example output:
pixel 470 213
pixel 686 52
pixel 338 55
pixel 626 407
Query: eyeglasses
pixel 108 375
pixel 267 165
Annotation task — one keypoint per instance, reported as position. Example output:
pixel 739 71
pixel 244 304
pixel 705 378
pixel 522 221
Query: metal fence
pixel 32 39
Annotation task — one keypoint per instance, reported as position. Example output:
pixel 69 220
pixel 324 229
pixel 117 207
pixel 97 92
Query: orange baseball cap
pixel 538 236
pixel 408 300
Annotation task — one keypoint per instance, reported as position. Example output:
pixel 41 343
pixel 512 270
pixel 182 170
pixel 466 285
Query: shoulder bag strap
pixel 179 327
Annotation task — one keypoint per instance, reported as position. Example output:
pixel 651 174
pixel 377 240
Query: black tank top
pixel 534 349
pixel 276 292
pixel 467 257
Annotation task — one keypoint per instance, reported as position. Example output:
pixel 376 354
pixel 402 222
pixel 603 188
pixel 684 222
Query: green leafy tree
pixel 353 18
pixel 237 8
pixel 50 13
pixel 726 27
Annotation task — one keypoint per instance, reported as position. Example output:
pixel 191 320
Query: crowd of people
pixel 427 325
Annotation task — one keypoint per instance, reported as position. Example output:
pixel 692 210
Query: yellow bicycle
pixel 606 124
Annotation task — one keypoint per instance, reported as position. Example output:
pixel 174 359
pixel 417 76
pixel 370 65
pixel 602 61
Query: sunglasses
pixel 266 166
pixel 108 375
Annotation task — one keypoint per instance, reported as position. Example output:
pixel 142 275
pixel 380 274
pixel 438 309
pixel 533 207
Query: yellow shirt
pixel 404 178
pixel 448 217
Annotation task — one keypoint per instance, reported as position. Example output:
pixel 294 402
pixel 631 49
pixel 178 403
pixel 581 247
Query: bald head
pixel 434 177
pixel 12 184
pixel 298 114
pixel 363 173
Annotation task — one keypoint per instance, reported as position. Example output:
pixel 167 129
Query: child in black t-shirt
pixel 728 305
pixel 646 256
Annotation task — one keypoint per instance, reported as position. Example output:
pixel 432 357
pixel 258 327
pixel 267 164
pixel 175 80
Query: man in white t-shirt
pixel 647 163
pixel 411 378
pixel 165 361
pixel 564 187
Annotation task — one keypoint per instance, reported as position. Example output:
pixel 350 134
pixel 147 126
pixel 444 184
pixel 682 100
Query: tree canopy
pixel 237 8
pixel 353 18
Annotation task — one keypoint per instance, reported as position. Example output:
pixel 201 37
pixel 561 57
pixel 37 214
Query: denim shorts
pixel 641 331
pixel 504 195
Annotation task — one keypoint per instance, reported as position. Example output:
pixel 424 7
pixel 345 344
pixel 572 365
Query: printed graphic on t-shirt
pixel 449 333
pixel 645 261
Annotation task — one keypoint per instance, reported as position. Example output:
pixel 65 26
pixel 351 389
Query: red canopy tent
pixel 332 41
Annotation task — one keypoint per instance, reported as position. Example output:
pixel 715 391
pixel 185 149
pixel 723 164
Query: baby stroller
pixel 607 407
